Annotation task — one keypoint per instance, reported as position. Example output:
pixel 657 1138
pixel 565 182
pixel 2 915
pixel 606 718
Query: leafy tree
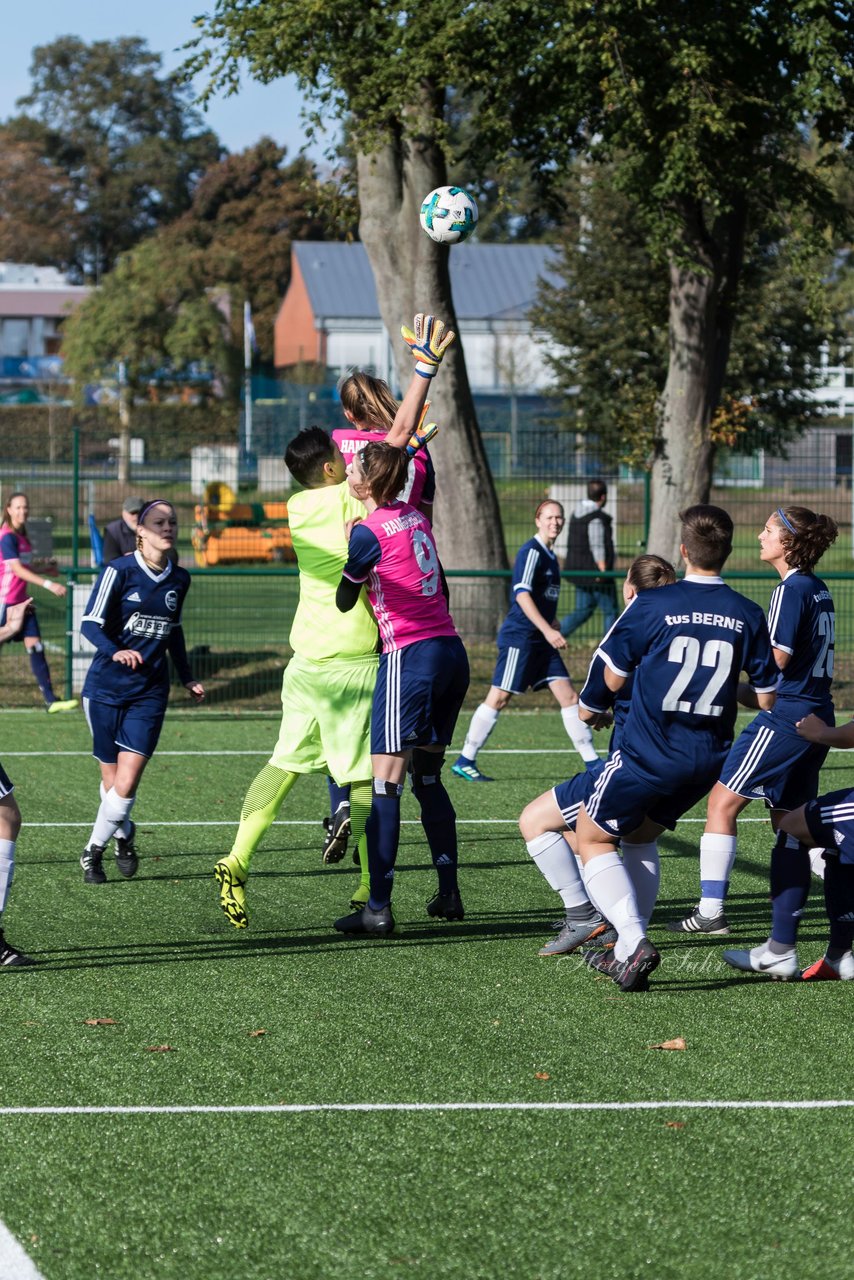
pixel 387 71
pixel 127 143
pixel 701 110
pixel 611 319
pixel 37 217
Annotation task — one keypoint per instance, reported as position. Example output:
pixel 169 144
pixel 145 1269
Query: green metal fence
pixel 238 616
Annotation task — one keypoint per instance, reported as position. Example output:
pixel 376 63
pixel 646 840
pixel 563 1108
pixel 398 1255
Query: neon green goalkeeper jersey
pixel 320 630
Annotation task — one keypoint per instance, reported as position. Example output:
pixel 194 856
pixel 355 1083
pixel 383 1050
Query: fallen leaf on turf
pixel 99 1022
pixel 542 1075
pixel 674 1124
pixel 159 1048
pixel 678 1043
pixel 260 1032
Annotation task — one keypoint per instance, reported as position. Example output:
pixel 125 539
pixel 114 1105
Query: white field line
pixel 312 822
pixel 300 1108
pixel 15 1264
pixel 485 751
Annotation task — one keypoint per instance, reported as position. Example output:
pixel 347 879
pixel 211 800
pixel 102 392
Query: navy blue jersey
pixel 801 623
pixel 598 697
pixel 687 643
pixel 131 607
pixel 537 572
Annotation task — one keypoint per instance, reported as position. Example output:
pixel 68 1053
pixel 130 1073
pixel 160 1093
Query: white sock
pixel 556 862
pixel 717 855
pixel 482 723
pixel 7 870
pixel 124 829
pixel 644 870
pixel 112 813
pixel 582 738
pixel 610 890
pixel 817 862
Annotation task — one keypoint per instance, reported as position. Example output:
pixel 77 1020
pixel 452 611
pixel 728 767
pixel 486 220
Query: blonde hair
pixel 369 401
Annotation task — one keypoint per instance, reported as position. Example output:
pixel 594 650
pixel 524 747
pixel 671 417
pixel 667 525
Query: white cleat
pixel 761 960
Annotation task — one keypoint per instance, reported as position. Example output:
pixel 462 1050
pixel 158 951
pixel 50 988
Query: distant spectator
pixel 120 535
pixel 590 547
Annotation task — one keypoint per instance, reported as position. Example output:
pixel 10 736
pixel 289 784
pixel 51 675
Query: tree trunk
pixel 411 274
pixel 702 308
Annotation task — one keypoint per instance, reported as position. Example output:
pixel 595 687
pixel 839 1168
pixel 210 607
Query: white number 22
pixel 685 650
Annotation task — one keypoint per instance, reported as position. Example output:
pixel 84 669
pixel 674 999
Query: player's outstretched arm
pixel 815 730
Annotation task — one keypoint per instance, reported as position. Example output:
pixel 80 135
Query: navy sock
pixel 439 820
pixel 41 671
pixel 337 795
pixel 383 833
pixel 790 886
pixel 839 900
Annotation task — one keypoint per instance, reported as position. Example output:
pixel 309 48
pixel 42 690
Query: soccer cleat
pixel 633 974
pixel 231 879
pixel 360 897
pixel 695 923
pixel 10 957
pixel 606 963
pixel 761 960
pixel 69 704
pixel 378 923
pixel 467 769
pixel 448 906
pixel 127 863
pixel 574 933
pixel 824 971
pixel 337 835
pixel 92 862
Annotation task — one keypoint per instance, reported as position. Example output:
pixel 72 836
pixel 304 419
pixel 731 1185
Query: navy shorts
pixel 768 761
pixel 134 726
pixel 30 627
pixel 419 692
pixel 6 783
pixel 527 666
pixel 830 820
pixel 572 794
pixel 623 797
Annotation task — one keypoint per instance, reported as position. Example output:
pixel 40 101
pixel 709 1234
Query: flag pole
pixel 247 377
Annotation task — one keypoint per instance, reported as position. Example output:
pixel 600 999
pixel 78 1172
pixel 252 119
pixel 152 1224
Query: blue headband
pixel 155 502
pixel 782 516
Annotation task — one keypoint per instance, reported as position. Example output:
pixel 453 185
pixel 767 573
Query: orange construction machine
pixel 231 532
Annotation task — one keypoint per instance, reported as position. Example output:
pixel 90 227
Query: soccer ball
pixel 449 215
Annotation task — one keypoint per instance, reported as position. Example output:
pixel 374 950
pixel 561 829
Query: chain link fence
pixel 76 471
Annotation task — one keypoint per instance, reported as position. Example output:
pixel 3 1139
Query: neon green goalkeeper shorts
pixel 326 718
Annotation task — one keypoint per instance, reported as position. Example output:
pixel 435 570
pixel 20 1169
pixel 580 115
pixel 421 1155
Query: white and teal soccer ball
pixel 449 215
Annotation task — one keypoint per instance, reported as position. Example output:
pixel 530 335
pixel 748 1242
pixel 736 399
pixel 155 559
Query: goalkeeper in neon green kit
pixel 328 686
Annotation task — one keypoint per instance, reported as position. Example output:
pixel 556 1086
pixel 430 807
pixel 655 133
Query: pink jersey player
pixel 393 552
pixel 420 483
pixel 14 546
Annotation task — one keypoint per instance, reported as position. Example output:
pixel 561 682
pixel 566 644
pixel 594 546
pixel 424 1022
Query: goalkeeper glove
pixel 420 438
pixel 428 343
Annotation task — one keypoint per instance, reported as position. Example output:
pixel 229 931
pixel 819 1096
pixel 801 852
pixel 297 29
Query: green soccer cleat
pixel 465 768
pixel 67 704
pixel 231 879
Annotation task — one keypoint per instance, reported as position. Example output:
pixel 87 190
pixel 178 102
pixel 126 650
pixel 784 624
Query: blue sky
pixel 165 24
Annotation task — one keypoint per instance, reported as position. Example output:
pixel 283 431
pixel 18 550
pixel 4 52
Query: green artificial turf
pixel 439 1013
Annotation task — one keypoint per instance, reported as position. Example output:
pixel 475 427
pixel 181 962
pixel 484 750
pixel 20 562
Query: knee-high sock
pixel 41 671
pixel 644 870
pixel 817 862
pixel 439 820
pixel 112 812
pixel 261 806
pixel 839 900
pixel 790 886
pixel 383 833
pixel 7 870
pixel 610 890
pixel 717 856
pixel 124 829
pixel 482 723
pixel 337 795
pixel 360 797
pixel 555 861
pixel 582 738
